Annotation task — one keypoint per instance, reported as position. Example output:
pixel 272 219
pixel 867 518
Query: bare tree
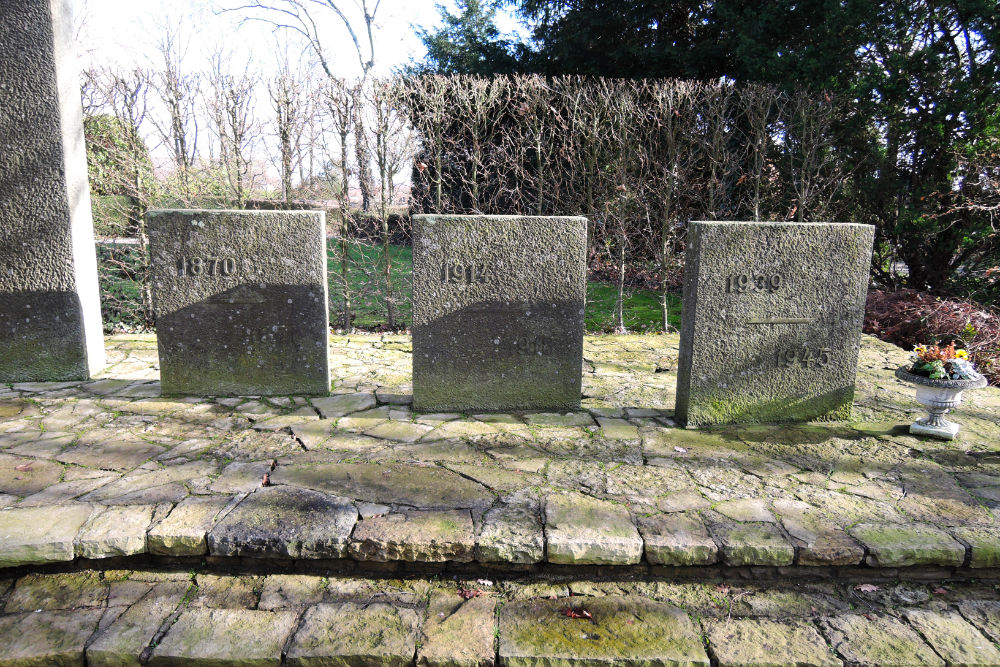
pixel 236 128
pixel 290 115
pixel 178 91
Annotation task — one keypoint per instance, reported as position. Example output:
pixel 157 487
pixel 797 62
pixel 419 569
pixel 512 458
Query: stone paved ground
pixel 110 469
pixel 163 617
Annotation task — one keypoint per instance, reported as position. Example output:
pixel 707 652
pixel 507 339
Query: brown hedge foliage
pixel 907 318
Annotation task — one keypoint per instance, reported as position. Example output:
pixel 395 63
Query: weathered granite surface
pixel 240 299
pixel 771 321
pixel 498 312
pixel 50 311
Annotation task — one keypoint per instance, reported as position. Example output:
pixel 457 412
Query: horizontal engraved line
pixel 783 320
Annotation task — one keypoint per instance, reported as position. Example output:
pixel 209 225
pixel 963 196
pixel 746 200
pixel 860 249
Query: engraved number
pixel 457 274
pixel 210 266
pixel 803 356
pixel 760 283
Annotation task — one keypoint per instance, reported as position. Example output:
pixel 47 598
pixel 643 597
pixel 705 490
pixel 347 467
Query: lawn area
pixel 366 285
pixel 122 303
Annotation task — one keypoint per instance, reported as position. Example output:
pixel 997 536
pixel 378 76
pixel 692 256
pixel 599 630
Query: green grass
pixel 121 300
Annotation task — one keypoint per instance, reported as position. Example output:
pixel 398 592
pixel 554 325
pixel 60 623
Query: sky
pixel 126 32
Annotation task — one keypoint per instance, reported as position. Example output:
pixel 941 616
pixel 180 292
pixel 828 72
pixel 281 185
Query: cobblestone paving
pixel 158 617
pixel 109 468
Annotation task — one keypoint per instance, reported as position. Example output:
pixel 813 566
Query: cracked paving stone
pixel 289 591
pixel 617 429
pixel 399 431
pixel 225 591
pixel 284 521
pixel 753 544
pixel 332 407
pixel 745 642
pixel 184 532
pixel 457 633
pixel 584 530
pixel 629 631
pixel 677 539
pixel 558 419
pixel 512 532
pixel 115 453
pixel 124 640
pixel 115 531
pixel 876 639
pixel 421 536
pixel 953 638
pixel 984 614
pixel 415 486
pixel 209 637
pixel 36 535
pixel 820 541
pixel 899 545
pixel 47 637
pixel 349 633
pixel 745 509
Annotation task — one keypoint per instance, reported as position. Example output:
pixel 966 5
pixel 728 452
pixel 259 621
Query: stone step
pixel 288 523
pixel 164 617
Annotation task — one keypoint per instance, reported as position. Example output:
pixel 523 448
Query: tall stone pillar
pixel 50 315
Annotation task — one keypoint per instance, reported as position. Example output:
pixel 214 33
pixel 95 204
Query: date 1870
pixel 206 266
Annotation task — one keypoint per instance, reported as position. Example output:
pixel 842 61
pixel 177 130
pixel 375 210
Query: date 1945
pixel 802 357
pixel 206 266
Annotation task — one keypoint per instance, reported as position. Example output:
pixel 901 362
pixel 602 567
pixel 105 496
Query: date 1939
pixel 760 283
pixel 206 266
pixel 803 357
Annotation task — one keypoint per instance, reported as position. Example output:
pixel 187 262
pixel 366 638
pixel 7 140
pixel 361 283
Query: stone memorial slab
pixel 240 299
pixel 771 321
pixel 498 312
pixel 50 313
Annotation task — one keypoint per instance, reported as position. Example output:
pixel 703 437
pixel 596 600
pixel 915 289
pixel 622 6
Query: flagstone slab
pixel 512 532
pixel 348 633
pixel 284 521
pixel 457 632
pixel 753 544
pixel 984 614
pixel 746 642
pixel 820 541
pixel 984 543
pixel 115 453
pixel 416 486
pixel 115 531
pixel 184 532
pixel 898 545
pixel 580 529
pixel 47 637
pixel 422 536
pixel 36 535
pixel 124 641
pixel 288 591
pixel 211 637
pixel 630 631
pixel 23 476
pixel 617 429
pixel 49 592
pixel 877 639
pixel 677 539
pixel 953 638
pixel 332 407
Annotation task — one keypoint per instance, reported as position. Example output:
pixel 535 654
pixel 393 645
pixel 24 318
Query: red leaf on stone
pixel 869 617
pixel 577 613
pixel 24 467
pixel 866 588
pixel 940 590
pixel 469 593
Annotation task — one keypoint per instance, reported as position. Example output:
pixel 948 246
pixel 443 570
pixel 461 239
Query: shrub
pixel 909 318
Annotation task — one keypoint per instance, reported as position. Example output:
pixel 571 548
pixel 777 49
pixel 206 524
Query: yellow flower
pixel 961 354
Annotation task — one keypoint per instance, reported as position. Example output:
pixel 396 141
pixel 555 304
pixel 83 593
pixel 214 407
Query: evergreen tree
pixel 468 43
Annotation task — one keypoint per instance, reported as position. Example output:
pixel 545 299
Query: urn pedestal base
pixel 939 397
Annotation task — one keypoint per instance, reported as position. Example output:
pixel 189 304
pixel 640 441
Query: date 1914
pixel 458 274
pixel 803 356
pixel 206 266
pixel 759 283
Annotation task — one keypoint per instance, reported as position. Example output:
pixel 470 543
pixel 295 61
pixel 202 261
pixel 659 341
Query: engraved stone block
pixel 498 312
pixel 50 312
pixel 240 299
pixel 771 321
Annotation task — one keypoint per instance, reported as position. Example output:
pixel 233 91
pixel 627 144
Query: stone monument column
pixel 50 314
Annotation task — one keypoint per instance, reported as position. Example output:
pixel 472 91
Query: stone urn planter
pixel 938 396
